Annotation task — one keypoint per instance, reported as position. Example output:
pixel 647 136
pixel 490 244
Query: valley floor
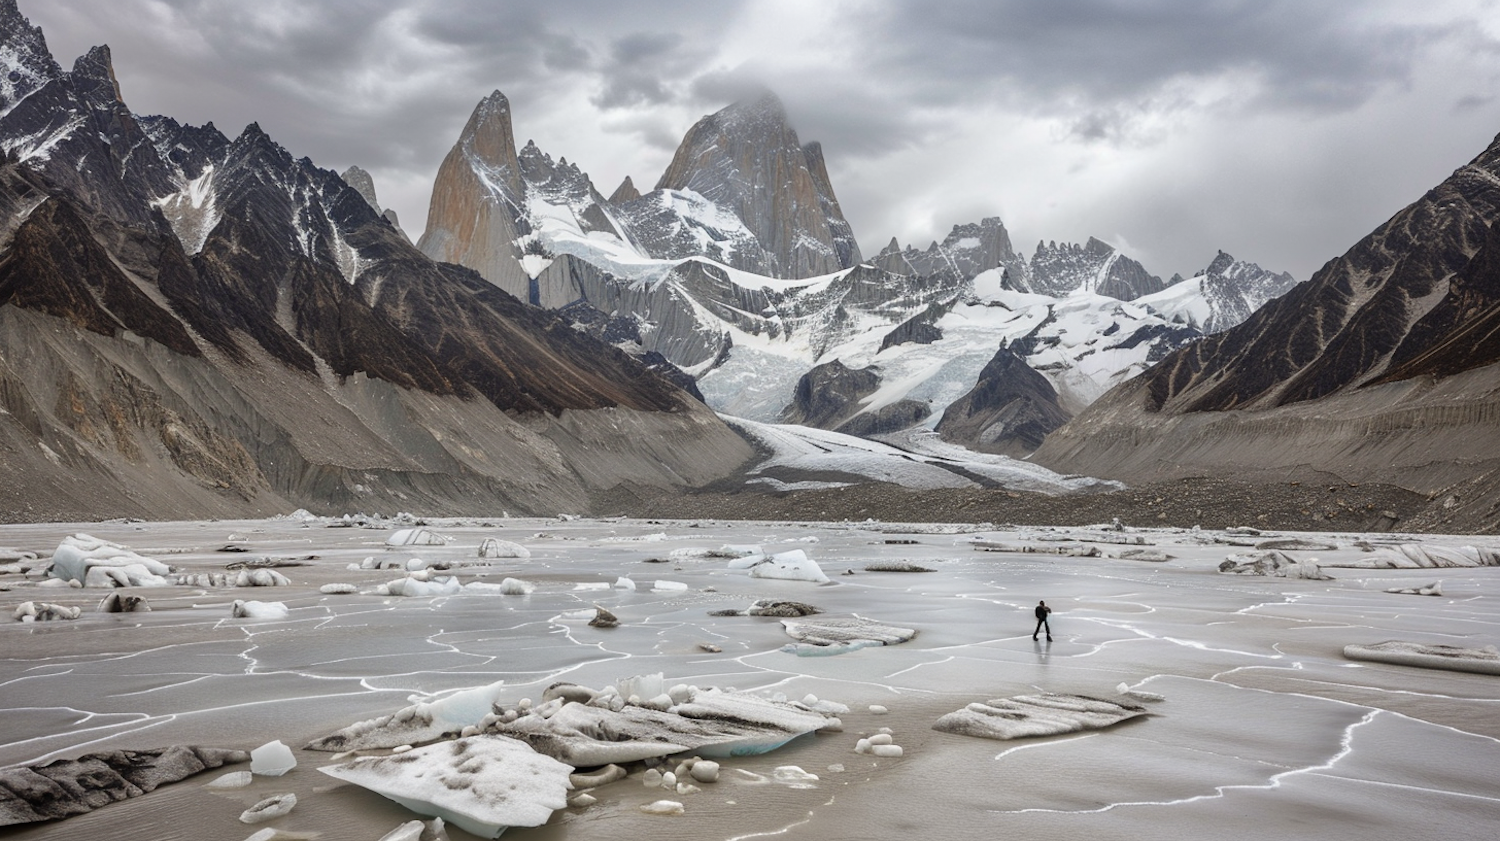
pixel 1317 503
pixel 1266 730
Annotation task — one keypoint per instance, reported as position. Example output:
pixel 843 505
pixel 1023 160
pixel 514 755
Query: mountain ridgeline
pixel 1382 367
pixel 193 325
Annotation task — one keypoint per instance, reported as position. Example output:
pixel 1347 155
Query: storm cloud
pixel 1278 131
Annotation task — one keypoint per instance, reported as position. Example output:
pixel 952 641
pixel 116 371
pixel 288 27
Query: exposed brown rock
pixel 468 222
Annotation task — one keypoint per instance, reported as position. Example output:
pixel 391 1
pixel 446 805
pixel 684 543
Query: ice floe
pixel 836 634
pixel 789 566
pixel 243 609
pixel 1484 660
pixel 273 807
pixel 710 722
pixel 481 784
pixel 1025 716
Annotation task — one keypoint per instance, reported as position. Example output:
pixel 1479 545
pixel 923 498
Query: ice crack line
pixel 1346 741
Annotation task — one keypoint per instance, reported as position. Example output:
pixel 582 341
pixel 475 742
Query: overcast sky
pixel 1281 132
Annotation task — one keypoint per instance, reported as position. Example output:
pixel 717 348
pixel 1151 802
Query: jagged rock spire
pixel 746 159
pixel 475 215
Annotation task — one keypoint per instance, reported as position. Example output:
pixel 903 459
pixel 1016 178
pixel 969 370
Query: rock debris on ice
pixel 66 787
pixel 1275 563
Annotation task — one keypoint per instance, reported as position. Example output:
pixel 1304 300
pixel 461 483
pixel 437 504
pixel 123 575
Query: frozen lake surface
pixel 1266 732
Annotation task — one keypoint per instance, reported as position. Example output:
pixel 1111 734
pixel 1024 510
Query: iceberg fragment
pixel 481 784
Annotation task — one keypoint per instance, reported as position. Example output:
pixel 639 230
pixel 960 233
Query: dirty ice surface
pixel 1265 730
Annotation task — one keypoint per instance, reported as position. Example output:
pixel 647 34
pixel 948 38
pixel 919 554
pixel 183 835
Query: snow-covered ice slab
pixel 482 784
pixel 1484 660
pixel 1026 716
pixel 845 632
pixel 710 723
pixel 419 722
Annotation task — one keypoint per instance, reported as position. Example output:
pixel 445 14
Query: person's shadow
pixel 1043 650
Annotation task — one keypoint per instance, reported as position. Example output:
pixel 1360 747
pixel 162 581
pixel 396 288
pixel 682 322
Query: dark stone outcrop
pixel 1010 410
pixel 828 394
pixel 1381 367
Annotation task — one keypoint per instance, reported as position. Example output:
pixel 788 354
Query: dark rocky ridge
pixel 1010 410
pixel 1095 266
pixel 1359 371
pixel 298 353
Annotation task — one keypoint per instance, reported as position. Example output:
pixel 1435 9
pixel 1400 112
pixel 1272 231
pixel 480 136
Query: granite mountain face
pixel 740 270
pixel 1381 364
pixel 193 325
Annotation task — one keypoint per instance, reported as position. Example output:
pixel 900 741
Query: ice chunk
pixel 273 807
pixel 416 537
pixel 670 808
pixel 705 771
pixel 272 759
pixel 415 586
pixel 623 583
pixel 234 779
pixel 44 611
pixel 338 589
pixel 662 586
pixel 409 831
pixel 494 548
pixel 482 784
pixel 642 686
pixel 242 609
pixel 79 553
pixel 791 566
pixel 1025 716
pixel 261 578
pixel 419 722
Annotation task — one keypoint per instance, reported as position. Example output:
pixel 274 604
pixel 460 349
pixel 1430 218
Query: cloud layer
pixel 1278 131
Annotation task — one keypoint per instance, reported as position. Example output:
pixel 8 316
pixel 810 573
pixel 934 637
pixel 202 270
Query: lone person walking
pixel 1041 620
